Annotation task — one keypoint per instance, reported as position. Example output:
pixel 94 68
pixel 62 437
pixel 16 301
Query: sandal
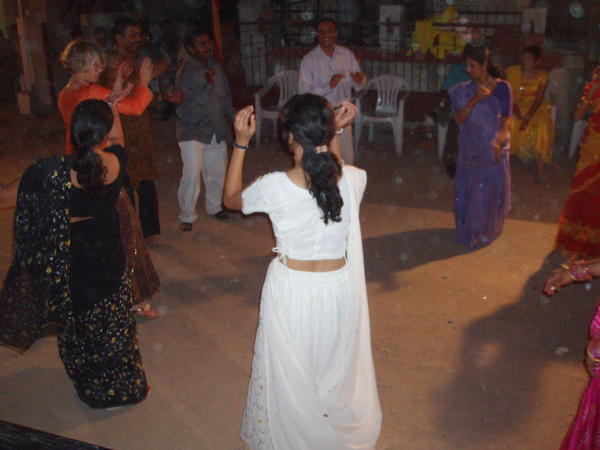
pixel 145 310
pixel 184 226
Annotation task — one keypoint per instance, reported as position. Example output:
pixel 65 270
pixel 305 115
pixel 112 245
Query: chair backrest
pixel 388 88
pixel 288 85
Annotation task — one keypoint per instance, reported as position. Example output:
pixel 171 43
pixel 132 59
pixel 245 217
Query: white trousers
pixel 210 162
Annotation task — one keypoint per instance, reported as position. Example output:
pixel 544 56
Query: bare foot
pixel 145 310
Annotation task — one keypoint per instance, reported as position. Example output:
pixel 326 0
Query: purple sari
pixel 482 184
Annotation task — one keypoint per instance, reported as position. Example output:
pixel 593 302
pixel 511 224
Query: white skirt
pixel 313 384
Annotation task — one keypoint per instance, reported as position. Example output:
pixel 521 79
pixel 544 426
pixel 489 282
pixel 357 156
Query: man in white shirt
pixel 332 71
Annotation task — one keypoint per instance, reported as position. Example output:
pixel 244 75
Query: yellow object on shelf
pixel 439 41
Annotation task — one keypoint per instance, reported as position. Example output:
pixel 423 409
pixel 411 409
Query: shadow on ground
pixel 497 383
pixel 387 254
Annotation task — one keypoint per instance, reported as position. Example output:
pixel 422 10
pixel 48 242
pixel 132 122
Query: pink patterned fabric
pixel 584 433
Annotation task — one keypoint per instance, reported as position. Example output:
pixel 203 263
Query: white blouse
pixel 297 220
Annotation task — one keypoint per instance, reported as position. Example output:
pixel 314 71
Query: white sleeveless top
pixel 297 220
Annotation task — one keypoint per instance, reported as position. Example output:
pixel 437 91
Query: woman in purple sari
pixel 482 109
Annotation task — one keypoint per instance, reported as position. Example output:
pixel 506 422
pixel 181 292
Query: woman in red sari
pixel 85 61
pixel 579 224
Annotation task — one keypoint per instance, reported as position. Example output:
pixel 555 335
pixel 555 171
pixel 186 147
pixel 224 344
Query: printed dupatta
pixel 35 292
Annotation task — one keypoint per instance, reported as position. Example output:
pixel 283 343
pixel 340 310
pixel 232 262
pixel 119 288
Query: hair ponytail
pixel 309 118
pixel 324 171
pixel 90 124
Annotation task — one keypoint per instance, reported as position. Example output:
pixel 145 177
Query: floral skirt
pixel 100 352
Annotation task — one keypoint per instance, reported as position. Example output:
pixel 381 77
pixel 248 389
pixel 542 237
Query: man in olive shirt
pixel 202 121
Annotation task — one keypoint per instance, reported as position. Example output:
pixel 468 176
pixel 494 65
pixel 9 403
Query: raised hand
pixel 125 69
pixel 244 125
pixel 335 80
pixel 119 94
pixel 146 71
pixel 210 75
pixel 482 93
pixel 358 77
pixel 344 115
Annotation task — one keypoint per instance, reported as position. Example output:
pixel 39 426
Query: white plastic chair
pixel 287 81
pixel 389 108
pixel 576 135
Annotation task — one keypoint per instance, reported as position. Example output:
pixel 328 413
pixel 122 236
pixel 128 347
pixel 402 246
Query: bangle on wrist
pixel 340 131
pixel 578 270
pixel 243 147
pixel 592 357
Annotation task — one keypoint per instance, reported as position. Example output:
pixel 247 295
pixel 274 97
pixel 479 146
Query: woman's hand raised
pixel 117 95
pixel 482 93
pixel 344 115
pixel 146 72
pixel 244 125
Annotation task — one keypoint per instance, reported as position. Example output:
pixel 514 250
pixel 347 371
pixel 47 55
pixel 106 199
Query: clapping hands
pixel 117 95
pixel 146 71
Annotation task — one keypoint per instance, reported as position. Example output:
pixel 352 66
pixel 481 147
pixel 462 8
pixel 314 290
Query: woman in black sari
pixel 69 267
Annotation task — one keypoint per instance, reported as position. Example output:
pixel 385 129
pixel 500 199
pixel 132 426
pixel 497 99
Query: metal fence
pixel 266 49
pixel 381 47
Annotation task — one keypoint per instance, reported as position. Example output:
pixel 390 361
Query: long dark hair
pixel 90 124
pixel 309 118
pixel 481 54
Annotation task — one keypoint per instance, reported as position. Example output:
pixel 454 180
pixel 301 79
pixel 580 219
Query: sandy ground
pixel 468 353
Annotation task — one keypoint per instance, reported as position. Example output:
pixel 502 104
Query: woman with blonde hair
pixel 85 62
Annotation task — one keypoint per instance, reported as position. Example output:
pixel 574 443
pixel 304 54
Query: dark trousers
pixel 148 206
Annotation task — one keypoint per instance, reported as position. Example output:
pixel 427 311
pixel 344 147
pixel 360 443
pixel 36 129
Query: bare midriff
pixel 321 265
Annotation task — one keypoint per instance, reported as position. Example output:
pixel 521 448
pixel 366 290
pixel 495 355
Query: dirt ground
pixel 468 353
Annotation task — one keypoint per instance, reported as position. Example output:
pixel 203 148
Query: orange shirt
pixel 133 105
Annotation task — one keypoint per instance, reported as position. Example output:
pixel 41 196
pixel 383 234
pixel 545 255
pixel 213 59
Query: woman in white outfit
pixel 313 383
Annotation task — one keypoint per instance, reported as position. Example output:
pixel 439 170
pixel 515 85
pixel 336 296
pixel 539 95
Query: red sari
pixel 579 224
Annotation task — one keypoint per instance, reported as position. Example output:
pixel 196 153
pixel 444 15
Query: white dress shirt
pixel 317 68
